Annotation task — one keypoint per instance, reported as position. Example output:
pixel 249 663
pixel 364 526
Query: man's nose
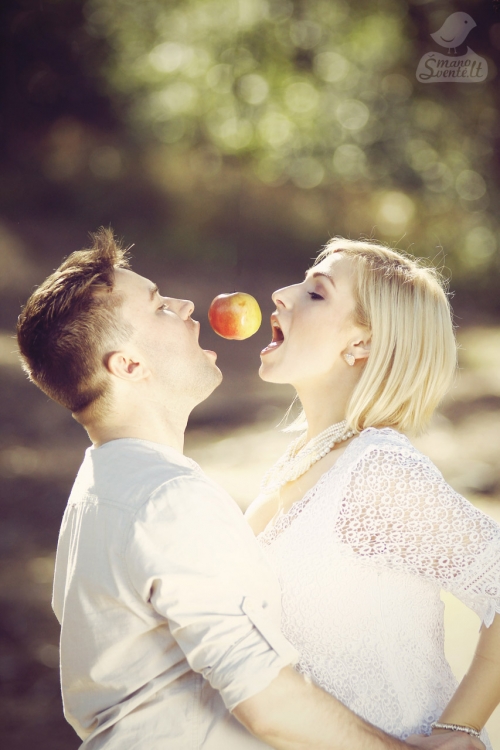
pixel 185 309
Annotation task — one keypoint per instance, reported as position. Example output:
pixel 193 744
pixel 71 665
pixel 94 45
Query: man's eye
pixel 314 295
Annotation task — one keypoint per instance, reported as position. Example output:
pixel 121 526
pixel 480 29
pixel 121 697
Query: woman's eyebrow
pixel 153 291
pixel 320 273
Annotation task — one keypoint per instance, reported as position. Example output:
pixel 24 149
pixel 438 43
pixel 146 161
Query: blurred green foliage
pixel 318 96
pixel 239 135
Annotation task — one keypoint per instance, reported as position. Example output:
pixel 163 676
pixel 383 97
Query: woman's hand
pixel 445 741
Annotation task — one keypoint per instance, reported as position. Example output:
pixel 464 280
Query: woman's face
pixel 313 327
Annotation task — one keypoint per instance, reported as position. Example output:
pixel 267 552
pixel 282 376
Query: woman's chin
pixel 266 373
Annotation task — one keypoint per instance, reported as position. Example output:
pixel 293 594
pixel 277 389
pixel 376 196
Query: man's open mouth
pixel 278 336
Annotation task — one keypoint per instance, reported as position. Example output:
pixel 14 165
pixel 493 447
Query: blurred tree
pixel 322 96
pixel 246 132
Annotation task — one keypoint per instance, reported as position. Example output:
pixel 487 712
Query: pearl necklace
pixel 300 456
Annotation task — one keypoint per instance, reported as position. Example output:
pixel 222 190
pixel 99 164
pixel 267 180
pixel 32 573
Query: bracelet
pixel 456 728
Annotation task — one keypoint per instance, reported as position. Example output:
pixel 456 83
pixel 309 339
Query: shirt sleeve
pixel 192 556
pixel 399 511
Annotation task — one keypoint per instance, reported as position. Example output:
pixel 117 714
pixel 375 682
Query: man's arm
pixel 294 714
pixel 194 559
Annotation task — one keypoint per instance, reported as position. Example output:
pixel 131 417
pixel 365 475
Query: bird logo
pixel 435 67
pixel 454 31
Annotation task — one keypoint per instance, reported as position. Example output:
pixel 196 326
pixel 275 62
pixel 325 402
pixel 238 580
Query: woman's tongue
pixel 278 339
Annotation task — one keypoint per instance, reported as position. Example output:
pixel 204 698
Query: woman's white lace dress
pixel 362 559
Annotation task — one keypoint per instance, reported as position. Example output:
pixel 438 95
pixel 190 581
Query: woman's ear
pixel 361 347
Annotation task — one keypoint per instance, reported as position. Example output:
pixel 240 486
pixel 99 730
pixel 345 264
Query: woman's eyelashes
pixel 315 295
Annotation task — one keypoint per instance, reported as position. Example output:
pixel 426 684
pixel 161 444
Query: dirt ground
pixel 234 437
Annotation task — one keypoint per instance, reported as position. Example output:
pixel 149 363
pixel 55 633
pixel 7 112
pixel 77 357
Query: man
pixel 169 615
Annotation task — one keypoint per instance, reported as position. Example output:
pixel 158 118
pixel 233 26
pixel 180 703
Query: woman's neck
pixel 323 407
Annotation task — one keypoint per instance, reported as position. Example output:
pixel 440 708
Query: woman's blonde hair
pixel 413 354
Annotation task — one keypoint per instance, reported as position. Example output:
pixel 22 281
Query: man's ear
pixel 126 365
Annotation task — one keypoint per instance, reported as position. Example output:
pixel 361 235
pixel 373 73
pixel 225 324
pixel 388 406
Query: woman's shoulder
pixel 383 437
pixel 390 445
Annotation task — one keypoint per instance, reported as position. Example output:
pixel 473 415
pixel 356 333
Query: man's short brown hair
pixel 70 321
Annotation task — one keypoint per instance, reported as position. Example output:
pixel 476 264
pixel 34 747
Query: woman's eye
pixel 315 295
pixel 163 307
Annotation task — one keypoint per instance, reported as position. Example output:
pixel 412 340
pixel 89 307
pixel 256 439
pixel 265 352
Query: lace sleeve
pixel 398 508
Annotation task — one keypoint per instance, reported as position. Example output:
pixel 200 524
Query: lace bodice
pixel 362 559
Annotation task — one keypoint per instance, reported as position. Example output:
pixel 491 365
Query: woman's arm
pixel 403 512
pixel 479 692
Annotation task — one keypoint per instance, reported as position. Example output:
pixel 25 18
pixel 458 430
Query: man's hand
pixel 445 741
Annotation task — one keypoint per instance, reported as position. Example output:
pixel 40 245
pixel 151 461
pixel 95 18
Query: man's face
pixel 167 338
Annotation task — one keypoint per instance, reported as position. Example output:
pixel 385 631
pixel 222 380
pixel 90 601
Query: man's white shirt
pixel 170 615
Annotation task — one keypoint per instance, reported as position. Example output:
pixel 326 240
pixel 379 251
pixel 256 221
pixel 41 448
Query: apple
pixel 235 316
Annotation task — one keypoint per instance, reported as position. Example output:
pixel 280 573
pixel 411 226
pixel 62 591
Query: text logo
pixel 435 67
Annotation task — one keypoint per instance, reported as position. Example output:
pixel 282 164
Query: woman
pixel 361 527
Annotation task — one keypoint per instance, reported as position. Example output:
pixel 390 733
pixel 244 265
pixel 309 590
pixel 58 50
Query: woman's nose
pixel 282 297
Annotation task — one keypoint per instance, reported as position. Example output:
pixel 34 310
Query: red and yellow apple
pixel 235 316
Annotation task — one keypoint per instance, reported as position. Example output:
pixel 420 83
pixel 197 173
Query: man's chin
pixel 210 383
pixel 220 378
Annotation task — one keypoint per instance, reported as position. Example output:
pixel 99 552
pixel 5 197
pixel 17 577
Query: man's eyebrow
pixel 153 291
pixel 320 273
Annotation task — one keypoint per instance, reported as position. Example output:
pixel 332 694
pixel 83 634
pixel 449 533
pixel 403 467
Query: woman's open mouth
pixel 278 336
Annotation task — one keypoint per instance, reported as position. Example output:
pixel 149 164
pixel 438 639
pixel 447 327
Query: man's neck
pixel 144 423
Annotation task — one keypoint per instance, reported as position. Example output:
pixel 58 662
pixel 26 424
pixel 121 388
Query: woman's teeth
pixel 277 334
pixel 277 340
